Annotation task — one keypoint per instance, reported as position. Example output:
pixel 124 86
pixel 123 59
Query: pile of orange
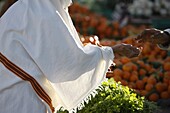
pixel 89 23
pixel 148 74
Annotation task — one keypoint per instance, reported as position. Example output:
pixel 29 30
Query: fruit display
pixel 148 74
pixel 89 23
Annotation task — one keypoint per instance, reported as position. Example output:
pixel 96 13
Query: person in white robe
pixel 155 36
pixel 38 36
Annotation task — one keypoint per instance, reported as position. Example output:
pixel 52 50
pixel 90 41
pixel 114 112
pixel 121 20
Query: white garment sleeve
pixel 72 69
pixel 56 52
pixel 165 47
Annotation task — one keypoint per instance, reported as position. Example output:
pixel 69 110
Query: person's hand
pixel 126 50
pixel 153 36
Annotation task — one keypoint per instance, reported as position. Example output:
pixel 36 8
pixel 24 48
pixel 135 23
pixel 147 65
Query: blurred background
pixel 117 21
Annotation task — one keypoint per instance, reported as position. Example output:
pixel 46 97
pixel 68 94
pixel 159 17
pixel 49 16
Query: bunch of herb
pixel 112 97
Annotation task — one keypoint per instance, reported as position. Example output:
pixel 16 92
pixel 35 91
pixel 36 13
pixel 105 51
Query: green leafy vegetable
pixel 113 97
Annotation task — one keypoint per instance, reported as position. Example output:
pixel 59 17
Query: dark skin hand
pixel 120 49
pixel 126 50
pixel 153 36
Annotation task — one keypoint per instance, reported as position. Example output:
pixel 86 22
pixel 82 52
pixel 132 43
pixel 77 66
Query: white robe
pixel 39 37
pixel 168 46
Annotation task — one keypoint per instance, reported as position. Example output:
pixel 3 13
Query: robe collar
pixel 64 3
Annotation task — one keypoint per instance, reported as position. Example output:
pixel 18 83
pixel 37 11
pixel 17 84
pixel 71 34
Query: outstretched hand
pixel 126 50
pixel 153 36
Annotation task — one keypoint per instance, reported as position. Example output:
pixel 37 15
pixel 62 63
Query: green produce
pixel 113 97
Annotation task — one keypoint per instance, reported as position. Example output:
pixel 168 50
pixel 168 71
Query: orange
pixel 140 84
pixel 141 63
pixel 148 87
pixel 163 54
pixel 134 67
pixel 151 80
pixel 160 87
pixel 143 92
pixel 166 66
pixel 148 67
pixel 153 97
pixel 125 60
pixel 134 73
pixel 118 72
pixel 126 75
pixel 145 79
pixel 117 78
pixel 165 95
pixel 133 78
pixel 124 82
pixel 142 72
pixel 127 67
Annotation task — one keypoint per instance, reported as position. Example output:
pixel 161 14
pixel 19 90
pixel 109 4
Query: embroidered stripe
pixel 25 76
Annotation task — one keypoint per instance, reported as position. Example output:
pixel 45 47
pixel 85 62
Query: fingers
pixel 134 52
pixel 145 36
pixel 127 50
pixel 131 51
pixel 159 38
pixel 142 37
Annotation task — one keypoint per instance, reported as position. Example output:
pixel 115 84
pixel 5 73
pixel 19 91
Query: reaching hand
pixel 153 36
pixel 126 50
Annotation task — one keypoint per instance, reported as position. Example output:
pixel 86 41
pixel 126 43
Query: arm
pixel 155 36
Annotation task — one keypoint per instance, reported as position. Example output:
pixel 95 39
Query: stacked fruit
pixel 149 73
pixel 89 23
